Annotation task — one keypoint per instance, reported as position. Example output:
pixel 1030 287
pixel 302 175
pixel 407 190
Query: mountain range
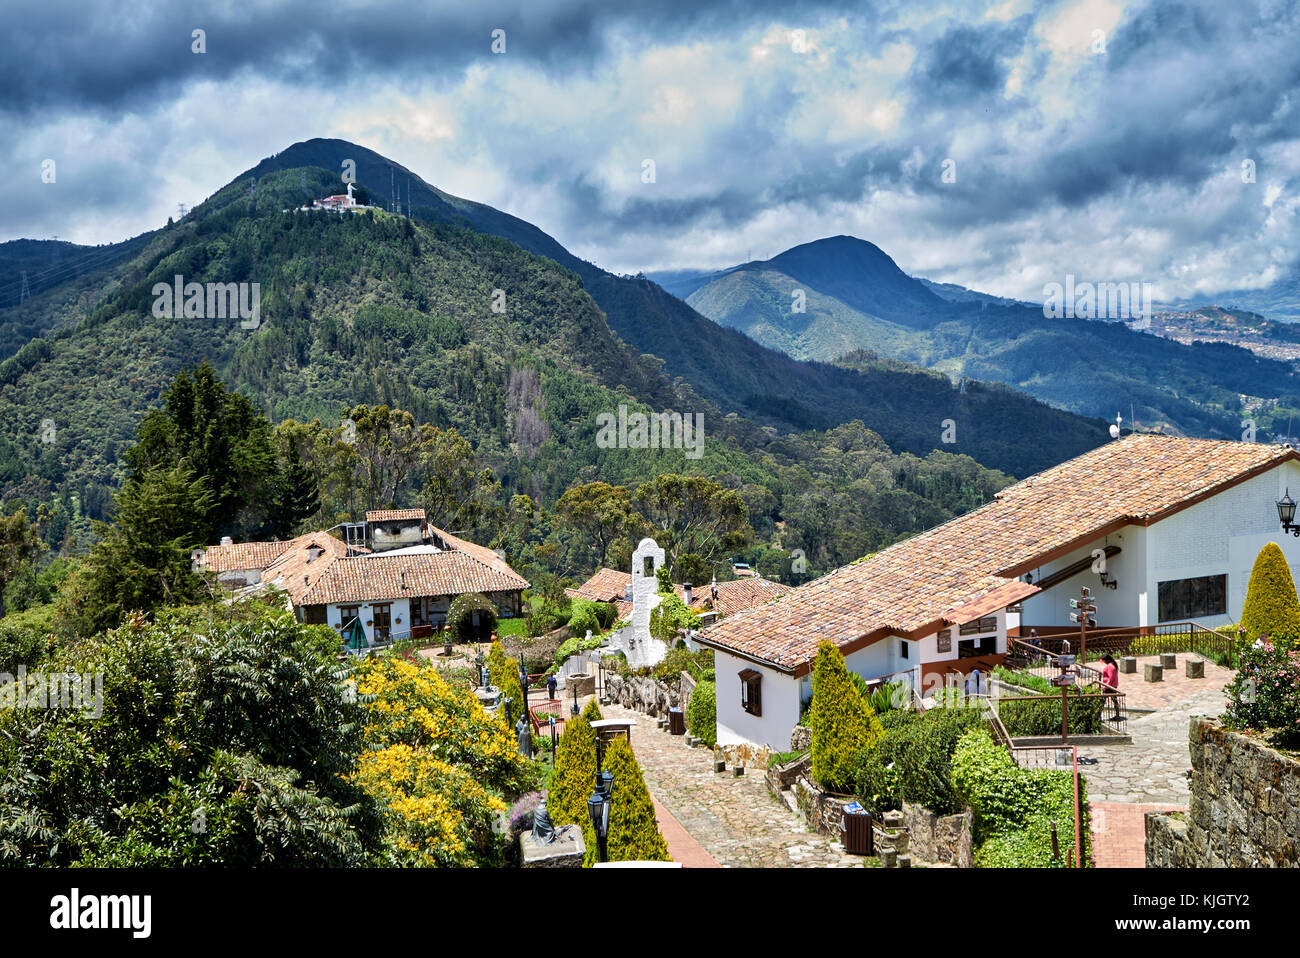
pixel 828 299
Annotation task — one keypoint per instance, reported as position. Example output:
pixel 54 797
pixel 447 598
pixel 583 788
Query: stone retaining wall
pixel 940 838
pixel 642 693
pixel 824 811
pixel 744 755
pixel 1244 811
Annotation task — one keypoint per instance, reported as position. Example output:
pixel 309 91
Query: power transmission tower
pixel 25 293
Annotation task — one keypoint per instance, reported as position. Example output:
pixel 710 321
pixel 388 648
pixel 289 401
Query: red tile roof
pixel 739 594
pixel 970 563
pixel 242 555
pixel 301 565
pixel 382 576
pixel 605 585
pixel 394 515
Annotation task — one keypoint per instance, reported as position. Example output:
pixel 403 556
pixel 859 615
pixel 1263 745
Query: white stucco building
pixel 1178 523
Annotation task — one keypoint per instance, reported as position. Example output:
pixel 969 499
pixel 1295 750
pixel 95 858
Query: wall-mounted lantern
pixel 1286 512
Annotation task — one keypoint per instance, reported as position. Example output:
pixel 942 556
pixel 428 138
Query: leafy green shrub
pixel 606 614
pixel 671 617
pixel 504 674
pixel 591 711
pixel 702 716
pixel 1014 807
pixel 575 644
pixel 1271 607
pixel 1265 694
pixel 682 659
pixel 584 618
pixel 898 718
pixel 633 831
pixel 23 638
pixel 912 759
pixel 1025 680
pixel 841 721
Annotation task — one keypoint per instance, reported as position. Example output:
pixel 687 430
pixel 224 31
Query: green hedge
pixel 702 716
pixel 912 759
pixel 1042 716
pixel 633 831
pixel 1014 807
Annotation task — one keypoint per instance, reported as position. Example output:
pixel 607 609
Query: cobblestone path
pixel 736 820
pixel 1126 781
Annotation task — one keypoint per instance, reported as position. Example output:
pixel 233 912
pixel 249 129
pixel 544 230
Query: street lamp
pixel 598 809
pixel 1286 512
pixel 509 715
pixel 575 698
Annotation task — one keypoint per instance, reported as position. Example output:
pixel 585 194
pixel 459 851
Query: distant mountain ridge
pixel 832 297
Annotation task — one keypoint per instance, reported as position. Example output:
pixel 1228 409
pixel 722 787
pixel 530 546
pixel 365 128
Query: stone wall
pixel 642 693
pixel 744 755
pixel 1244 811
pixel 687 687
pixel 824 811
pixel 800 738
pixel 939 838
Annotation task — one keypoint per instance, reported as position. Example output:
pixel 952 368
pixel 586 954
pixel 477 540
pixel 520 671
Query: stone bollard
pixel 737 770
pixel 719 765
pixel 904 861
pixel 1129 664
pixel 690 741
pixel 892 819
pixel 1152 672
pixel 889 857
pixel 1168 660
pixel 662 723
pixel 1195 668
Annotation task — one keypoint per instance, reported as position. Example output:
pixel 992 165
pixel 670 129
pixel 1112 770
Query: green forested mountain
pixel 855 298
pixel 445 317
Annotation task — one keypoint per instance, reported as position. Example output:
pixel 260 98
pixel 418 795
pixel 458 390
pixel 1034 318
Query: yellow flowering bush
pixel 438 764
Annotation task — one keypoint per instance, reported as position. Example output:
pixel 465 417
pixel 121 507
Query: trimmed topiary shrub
pixel 633 831
pixel 702 715
pixel 591 711
pixel 574 775
pixel 1271 607
pixel 842 723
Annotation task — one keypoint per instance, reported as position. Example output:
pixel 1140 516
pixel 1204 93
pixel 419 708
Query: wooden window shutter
pixel 751 691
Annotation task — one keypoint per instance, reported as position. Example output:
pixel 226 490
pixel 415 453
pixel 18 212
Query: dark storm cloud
pixel 970 59
pixel 115 57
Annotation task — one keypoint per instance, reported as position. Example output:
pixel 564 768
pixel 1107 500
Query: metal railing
pixel 1138 640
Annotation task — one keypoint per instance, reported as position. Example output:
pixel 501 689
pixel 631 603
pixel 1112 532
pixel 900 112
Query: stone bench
pixel 1153 673
pixel 1129 664
pixel 1195 668
pixel 1168 660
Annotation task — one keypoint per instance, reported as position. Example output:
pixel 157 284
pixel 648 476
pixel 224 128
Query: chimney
pixel 227 541
pixel 686 588
pixel 403 578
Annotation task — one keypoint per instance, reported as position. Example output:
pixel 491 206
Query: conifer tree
pixel 842 722
pixel 1271 607
pixel 575 773
pixel 633 831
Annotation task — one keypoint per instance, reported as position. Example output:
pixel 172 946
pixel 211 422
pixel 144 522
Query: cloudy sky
pixel 1122 141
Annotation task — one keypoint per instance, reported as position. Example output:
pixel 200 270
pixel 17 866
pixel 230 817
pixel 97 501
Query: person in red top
pixel 1110 681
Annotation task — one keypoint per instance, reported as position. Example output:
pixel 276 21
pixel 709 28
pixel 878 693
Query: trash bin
pixel 676 722
pixel 859 839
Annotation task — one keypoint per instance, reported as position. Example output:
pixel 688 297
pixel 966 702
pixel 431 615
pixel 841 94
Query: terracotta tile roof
pixel 740 594
pixel 242 555
pixel 482 553
pixel 300 566
pixel 380 576
pixel 606 585
pixel 393 515
pixel 912 586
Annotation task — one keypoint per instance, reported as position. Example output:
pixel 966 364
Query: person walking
pixel 550 686
pixel 1110 682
